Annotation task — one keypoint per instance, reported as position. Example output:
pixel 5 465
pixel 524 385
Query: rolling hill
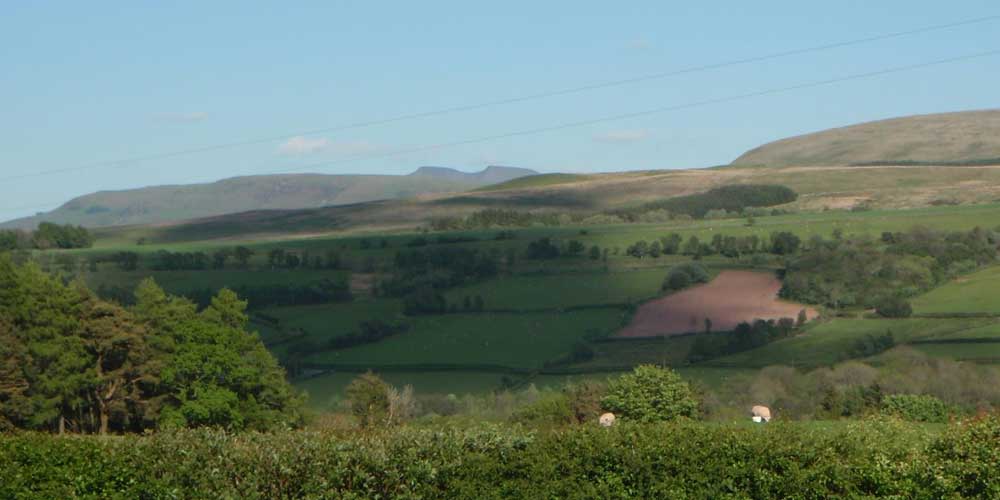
pixel 928 177
pixel 968 137
pixel 160 204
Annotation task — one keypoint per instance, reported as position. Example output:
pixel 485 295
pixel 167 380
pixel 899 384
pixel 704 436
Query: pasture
pixel 978 292
pixel 518 341
pixel 552 297
pixel 563 290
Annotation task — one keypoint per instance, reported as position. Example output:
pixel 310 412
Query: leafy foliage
pixel 74 362
pixel 684 275
pixel 369 398
pixel 862 271
pixel 894 307
pixel 650 394
pixel 864 460
pixel 916 407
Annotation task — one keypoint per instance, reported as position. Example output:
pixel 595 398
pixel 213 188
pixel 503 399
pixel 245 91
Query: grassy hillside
pixel 172 203
pixel 536 312
pixel 819 188
pixel 969 137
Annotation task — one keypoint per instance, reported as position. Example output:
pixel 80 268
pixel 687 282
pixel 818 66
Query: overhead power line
pixel 500 102
pixel 624 116
pixel 653 111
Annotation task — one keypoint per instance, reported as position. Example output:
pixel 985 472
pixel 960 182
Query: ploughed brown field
pixel 731 298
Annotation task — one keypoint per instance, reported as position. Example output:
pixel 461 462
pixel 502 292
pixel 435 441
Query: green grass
pixel 523 341
pixel 832 341
pixel 526 341
pixel 319 323
pixel 329 320
pixel 564 290
pixel 975 293
pixel 979 352
pixel 990 331
pixel 661 351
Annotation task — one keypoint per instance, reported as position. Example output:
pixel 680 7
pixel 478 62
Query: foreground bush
pixel 650 394
pixel 678 460
pixel 916 408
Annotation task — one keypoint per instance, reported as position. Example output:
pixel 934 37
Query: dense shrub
pixel 684 275
pixel 650 394
pixel 678 460
pixel 550 409
pixel 542 249
pixel 916 407
pixel 585 399
pixel 861 271
pixel 49 235
pixel 894 307
pixel 70 361
pixel 369 399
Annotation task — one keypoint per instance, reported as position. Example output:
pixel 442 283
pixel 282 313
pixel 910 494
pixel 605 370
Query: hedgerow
pixel 667 460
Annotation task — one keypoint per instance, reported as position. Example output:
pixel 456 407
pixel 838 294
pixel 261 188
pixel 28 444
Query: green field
pixel 549 290
pixel 832 341
pixel 976 293
pixel 520 341
pixel 564 290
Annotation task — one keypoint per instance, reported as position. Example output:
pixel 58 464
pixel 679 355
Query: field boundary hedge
pixel 861 459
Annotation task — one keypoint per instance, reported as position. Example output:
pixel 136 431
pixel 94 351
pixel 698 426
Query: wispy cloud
pixel 298 146
pixel 622 136
pixel 301 146
pixel 185 117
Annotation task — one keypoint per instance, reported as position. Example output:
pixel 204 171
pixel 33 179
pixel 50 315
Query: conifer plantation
pixel 72 362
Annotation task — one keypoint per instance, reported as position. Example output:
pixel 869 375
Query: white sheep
pixel 760 413
pixel 607 420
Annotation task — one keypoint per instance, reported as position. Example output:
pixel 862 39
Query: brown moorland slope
pixel 952 138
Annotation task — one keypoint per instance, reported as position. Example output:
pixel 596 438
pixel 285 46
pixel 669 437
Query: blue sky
pixel 90 82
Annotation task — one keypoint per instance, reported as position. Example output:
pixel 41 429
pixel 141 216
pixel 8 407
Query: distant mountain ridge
pixel 946 139
pixel 161 204
pixel 492 174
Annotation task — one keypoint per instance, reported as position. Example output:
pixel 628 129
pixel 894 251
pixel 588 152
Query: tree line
pixel 779 243
pixel 324 291
pixel 237 257
pixel 46 236
pixel 868 272
pixel 746 336
pixel 71 362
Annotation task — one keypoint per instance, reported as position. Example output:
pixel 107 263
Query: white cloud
pixel 622 136
pixel 186 117
pixel 301 146
pixel 298 145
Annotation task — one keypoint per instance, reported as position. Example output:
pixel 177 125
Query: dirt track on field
pixel 732 297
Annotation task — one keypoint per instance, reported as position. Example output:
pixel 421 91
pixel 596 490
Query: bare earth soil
pixel 731 298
